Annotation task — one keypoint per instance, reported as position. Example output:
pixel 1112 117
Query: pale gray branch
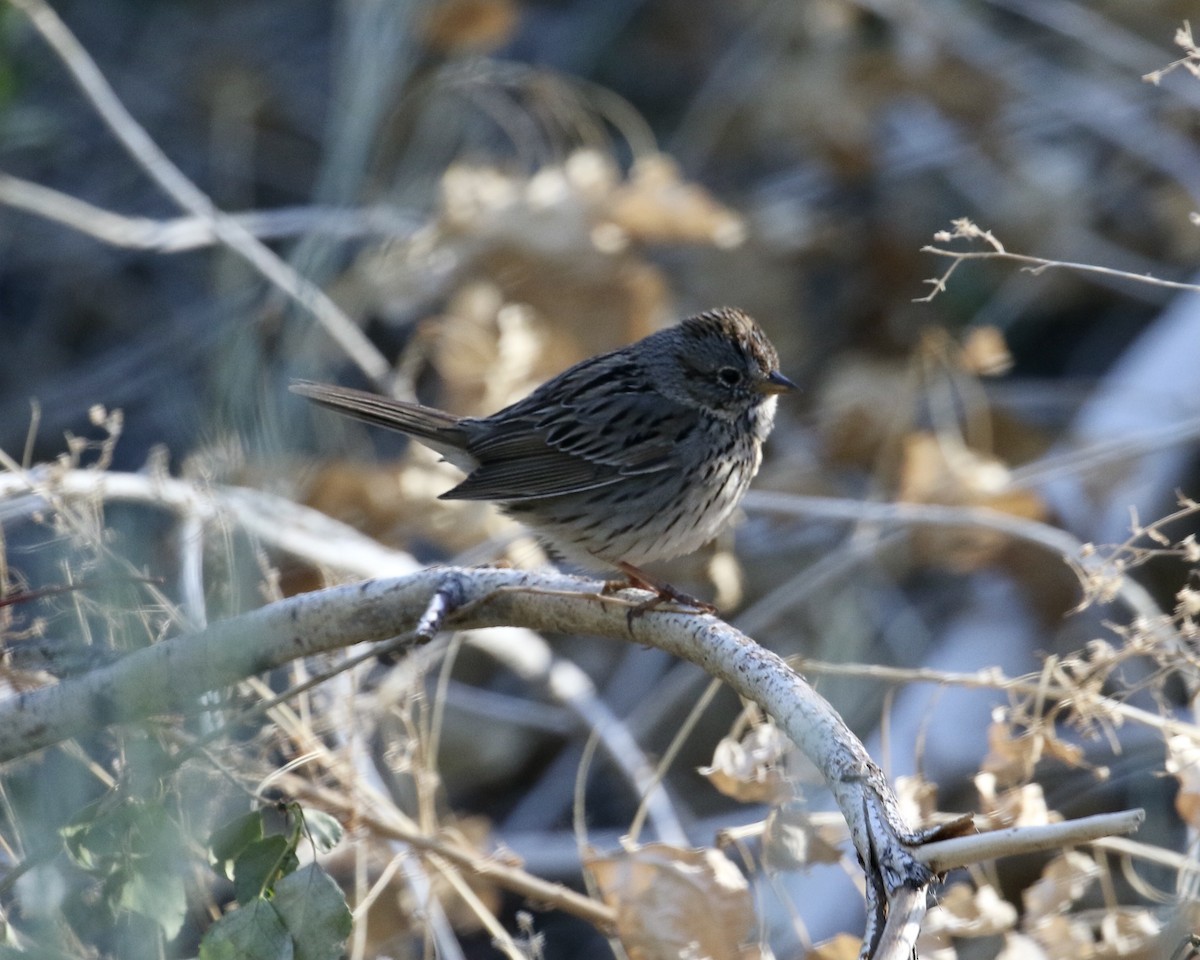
pixel 943 855
pixel 169 676
pixel 190 233
pixel 1130 592
pixel 281 524
pixel 172 675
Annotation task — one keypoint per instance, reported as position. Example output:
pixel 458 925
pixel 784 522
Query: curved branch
pixel 169 676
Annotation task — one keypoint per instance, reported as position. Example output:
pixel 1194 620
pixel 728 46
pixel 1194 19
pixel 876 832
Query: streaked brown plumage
pixel 632 456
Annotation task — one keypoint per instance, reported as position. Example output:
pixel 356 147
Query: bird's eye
pixel 730 376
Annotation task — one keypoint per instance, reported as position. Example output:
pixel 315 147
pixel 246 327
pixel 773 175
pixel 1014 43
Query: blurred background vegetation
pixel 494 189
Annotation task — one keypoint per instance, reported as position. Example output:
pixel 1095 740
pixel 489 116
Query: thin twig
pixel 1131 593
pixel 1037 265
pixel 179 234
pixel 274 521
pixel 993 678
pixel 963 229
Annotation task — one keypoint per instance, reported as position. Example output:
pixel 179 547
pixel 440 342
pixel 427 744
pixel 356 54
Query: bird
pixel 629 457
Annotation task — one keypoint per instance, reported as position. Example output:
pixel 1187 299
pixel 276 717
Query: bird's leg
pixel 664 592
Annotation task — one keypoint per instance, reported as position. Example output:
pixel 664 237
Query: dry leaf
pixel 841 946
pixel 963 911
pixel 1023 806
pixel 1064 880
pixel 674 903
pixel 791 840
pixel 656 205
pixel 1129 932
pixel 1116 933
pixel 1018 946
pixel 1062 937
pixel 917 798
pixel 985 353
pixel 1010 758
pixel 935 944
pixel 488 352
pixel 751 770
pixel 940 469
pixel 1183 762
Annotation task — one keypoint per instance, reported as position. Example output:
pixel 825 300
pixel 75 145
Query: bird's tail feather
pixel 435 428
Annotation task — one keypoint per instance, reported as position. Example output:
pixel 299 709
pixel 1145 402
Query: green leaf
pixel 156 892
pixel 314 911
pixel 228 841
pixel 323 830
pixel 253 932
pixel 151 834
pixel 306 920
pixel 95 837
pixel 260 865
pixel 103 838
pixel 133 848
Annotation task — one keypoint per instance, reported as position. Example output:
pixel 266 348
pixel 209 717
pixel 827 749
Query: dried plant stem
pixel 179 234
pixel 507 875
pixel 1036 265
pixel 964 229
pixel 1132 594
pixel 274 521
pixel 993 678
pixel 175 183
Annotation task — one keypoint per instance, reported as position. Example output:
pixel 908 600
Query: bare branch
pixel 191 233
pixel 944 855
pixel 1131 593
pixel 281 524
pixel 897 940
pixel 169 676
pixel 507 875
pixel 965 229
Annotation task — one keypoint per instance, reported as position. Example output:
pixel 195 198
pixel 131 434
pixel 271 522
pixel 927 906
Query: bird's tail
pixel 432 427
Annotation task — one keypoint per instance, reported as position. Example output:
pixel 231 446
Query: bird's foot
pixel 663 592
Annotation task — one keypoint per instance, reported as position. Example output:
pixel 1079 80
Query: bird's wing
pixel 594 436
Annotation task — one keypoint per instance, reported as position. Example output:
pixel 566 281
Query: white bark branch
pixel 178 234
pixel 944 855
pixel 169 676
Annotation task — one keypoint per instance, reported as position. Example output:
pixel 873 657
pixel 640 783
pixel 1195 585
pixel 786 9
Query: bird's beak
pixel 776 382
